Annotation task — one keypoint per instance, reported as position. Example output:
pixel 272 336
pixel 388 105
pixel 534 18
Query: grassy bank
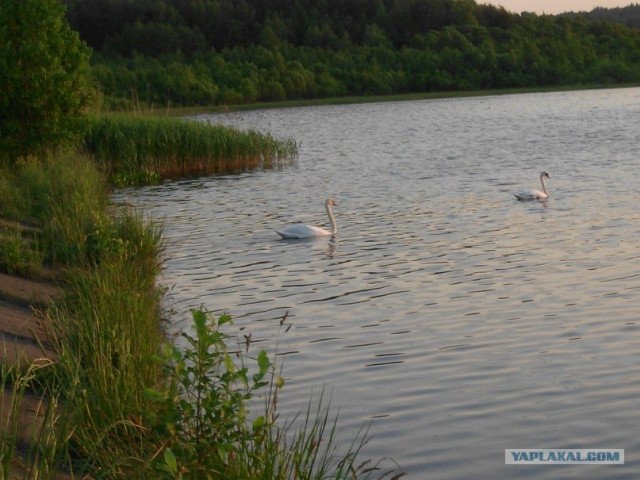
pixel 106 325
pixel 146 149
pixel 119 401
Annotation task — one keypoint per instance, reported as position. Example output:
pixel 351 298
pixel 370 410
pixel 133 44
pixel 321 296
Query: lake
pixel 454 320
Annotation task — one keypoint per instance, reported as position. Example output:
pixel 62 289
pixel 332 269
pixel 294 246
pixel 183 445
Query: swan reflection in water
pixel 331 247
pixel 535 194
pixel 301 230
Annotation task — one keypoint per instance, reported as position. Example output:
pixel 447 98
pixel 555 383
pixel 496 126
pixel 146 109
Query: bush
pixel 205 430
pixel 44 78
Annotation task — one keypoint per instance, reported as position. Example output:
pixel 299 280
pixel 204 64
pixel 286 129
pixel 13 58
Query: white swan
pixel 535 194
pixel 309 231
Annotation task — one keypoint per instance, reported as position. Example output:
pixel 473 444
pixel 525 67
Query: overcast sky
pixel 556 6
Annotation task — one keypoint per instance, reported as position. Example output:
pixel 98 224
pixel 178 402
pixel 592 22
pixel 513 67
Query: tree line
pixel 185 52
pixel 629 15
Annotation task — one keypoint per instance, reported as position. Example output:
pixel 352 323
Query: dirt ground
pixel 23 341
pixel 21 327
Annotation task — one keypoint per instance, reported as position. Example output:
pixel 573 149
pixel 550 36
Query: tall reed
pixel 142 149
pixel 106 330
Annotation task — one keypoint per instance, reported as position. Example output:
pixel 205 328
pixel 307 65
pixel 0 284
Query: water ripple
pixel 458 318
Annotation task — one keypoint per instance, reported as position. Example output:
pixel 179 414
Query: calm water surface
pixel 454 319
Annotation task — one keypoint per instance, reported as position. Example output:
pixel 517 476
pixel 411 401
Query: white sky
pixel 556 6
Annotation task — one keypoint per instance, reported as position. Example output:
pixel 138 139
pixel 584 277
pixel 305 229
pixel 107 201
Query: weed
pixel 205 430
pixel 19 255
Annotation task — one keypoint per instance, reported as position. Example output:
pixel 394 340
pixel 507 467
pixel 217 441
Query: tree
pixel 44 78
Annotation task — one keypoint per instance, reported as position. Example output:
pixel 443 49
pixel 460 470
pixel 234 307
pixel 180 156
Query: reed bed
pixel 143 149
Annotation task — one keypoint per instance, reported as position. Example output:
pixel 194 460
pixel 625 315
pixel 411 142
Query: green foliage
pixel 628 15
pixel 204 429
pixel 64 200
pixel 19 255
pixel 105 331
pixel 203 412
pixel 106 327
pixel 17 383
pixel 66 196
pixel 44 78
pixel 139 150
pixel 254 50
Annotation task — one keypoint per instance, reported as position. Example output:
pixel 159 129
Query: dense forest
pixel 205 52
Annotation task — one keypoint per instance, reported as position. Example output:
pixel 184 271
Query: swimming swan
pixel 535 194
pixel 309 231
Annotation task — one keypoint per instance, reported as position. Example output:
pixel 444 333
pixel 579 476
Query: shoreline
pixel 353 100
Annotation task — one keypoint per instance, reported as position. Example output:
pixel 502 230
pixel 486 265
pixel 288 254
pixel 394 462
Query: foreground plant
pixel 202 415
pixel 205 430
pixel 18 255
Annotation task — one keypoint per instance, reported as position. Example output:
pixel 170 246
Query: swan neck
pixel 334 228
pixel 544 188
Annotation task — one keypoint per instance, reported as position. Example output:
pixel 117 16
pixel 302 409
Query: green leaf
pixel 170 460
pixel 156 359
pixel 40 55
pixel 242 375
pixel 229 365
pixel 258 423
pixel 153 395
pixel 200 322
pixel 258 384
pixel 263 362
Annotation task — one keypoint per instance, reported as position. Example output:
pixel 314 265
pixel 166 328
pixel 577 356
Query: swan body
pixel 301 230
pixel 535 194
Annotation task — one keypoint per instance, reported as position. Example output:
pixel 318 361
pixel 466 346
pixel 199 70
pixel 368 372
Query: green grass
pixel 64 197
pixel 146 149
pixel 106 330
pixel 108 324
pixel 19 252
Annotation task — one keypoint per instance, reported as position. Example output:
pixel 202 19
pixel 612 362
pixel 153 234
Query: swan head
pixel 330 202
pixel 544 175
